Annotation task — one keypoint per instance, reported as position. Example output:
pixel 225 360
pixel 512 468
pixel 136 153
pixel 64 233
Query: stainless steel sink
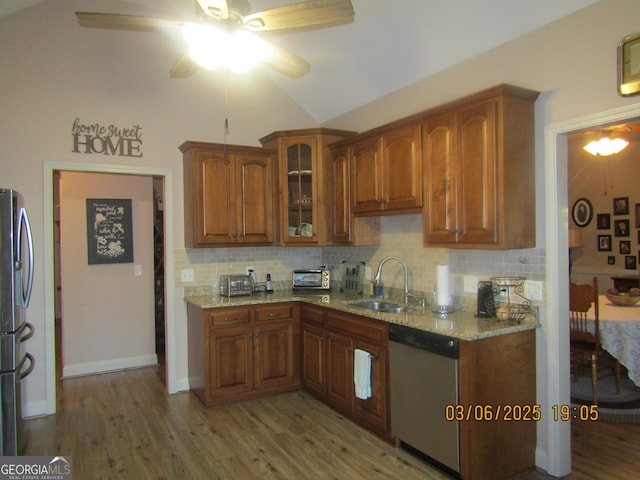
pixel 381 306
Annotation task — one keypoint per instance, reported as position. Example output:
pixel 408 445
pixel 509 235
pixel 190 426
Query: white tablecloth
pixel 620 334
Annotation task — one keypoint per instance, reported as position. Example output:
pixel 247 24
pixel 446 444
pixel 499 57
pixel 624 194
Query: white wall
pixel 108 319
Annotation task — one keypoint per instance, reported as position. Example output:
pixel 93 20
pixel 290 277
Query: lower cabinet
pixel 242 352
pixel 329 339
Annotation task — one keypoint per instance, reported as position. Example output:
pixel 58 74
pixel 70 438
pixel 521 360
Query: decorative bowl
pixel 622 299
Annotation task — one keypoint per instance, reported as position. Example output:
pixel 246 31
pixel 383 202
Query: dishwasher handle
pixel 423 340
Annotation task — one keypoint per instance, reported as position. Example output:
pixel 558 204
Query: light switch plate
pixel 137 270
pixel 533 290
pixel 186 275
pixel 470 284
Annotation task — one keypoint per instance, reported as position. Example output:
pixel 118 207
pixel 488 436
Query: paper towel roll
pixel 443 285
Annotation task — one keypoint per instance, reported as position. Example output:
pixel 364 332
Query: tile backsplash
pixel 401 235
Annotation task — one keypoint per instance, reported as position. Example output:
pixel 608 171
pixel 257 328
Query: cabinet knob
pixel 274 315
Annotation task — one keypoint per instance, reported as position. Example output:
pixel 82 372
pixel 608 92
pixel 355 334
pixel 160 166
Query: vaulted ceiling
pixel 391 43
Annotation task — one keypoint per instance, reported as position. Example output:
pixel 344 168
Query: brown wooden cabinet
pixel 329 339
pixel 240 352
pixel 387 171
pixel 479 171
pixel 348 229
pixel 304 184
pixel 229 195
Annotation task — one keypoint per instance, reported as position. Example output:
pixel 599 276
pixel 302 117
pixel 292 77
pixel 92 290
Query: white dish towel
pixel 362 373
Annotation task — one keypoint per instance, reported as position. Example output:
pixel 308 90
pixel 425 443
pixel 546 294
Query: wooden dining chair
pixel 586 351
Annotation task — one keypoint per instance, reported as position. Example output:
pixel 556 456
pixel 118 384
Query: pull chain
pixel 226 107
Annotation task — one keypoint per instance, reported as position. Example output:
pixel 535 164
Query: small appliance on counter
pixel 313 279
pixel 235 285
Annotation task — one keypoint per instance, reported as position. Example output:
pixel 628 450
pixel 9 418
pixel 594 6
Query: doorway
pixel 49 276
pixel 111 316
pixel 557 378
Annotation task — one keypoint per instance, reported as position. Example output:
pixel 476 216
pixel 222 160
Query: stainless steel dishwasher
pixel 424 380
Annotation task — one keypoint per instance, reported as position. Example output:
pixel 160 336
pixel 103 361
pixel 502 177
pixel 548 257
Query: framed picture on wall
pixel 630 262
pixel 621 228
pixel 604 221
pixel 582 212
pixel 109 231
pixel 637 210
pixel 621 206
pixel 625 247
pixel 604 243
pixel 611 260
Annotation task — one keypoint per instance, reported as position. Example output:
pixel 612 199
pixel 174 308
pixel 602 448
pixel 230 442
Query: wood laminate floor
pixel 123 425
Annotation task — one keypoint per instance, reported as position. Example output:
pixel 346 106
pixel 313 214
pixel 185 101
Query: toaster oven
pixel 319 279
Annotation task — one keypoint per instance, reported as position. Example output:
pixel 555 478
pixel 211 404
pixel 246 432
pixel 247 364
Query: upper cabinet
pixel 387 171
pixel 479 173
pixel 304 184
pixel 228 195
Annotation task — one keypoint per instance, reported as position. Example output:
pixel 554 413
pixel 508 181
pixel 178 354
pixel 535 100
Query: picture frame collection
pixel 612 227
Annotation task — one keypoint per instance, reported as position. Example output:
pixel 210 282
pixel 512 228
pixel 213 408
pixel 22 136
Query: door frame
pixel 556 331
pixel 49 279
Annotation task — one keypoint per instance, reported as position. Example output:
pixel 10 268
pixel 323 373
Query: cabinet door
pixel 366 170
pixel 231 354
pixel 274 354
pixel 255 194
pixel 340 386
pixel 299 214
pixel 439 213
pixel 341 199
pixel 477 166
pixel 313 357
pixel 214 202
pixel 373 410
pixel 402 168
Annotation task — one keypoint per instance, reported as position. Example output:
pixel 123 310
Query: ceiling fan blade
pixel 287 63
pixel 125 22
pixel 184 67
pixel 217 9
pixel 300 16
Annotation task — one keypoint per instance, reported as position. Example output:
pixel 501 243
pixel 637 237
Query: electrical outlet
pixel 186 275
pixel 533 290
pixel 249 270
pixel 470 284
pixel 137 270
pixel 367 273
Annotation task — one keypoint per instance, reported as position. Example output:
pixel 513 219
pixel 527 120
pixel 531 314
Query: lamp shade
pixel 575 238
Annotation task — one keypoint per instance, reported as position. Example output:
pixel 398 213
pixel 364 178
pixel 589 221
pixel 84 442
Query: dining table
pixel 620 333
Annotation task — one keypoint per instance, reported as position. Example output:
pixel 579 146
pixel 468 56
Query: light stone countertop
pixel 461 324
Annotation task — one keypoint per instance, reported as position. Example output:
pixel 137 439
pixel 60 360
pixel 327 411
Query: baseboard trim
pixel 88 368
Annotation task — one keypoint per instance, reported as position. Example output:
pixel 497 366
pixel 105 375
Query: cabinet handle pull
pixel 231 319
pixel 274 315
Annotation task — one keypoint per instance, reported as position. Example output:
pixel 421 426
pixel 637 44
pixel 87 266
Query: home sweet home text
pixel 94 138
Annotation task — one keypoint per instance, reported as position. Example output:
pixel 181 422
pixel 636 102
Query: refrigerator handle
pixel 32 364
pixel 24 221
pixel 26 336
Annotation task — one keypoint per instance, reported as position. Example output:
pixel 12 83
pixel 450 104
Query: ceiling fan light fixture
pixel 606 146
pixel 211 48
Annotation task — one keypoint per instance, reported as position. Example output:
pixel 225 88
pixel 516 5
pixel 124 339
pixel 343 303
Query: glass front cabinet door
pixel 300 194
pixel 304 184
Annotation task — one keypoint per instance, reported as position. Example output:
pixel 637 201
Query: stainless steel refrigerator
pixel 16 280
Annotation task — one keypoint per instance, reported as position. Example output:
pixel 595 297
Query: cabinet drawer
pixel 312 315
pixel 265 313
pixel 228 316
pixel 362 327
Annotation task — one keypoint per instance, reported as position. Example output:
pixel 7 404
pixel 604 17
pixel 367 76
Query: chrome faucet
pixel 378 274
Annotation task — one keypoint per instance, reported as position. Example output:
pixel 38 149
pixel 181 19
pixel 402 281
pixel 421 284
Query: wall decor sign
pixel 629 65
pixel 95 138
pixel 109 231
pixel 582 212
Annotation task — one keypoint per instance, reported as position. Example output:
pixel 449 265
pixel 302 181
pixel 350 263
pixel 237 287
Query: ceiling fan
pixel 220 20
